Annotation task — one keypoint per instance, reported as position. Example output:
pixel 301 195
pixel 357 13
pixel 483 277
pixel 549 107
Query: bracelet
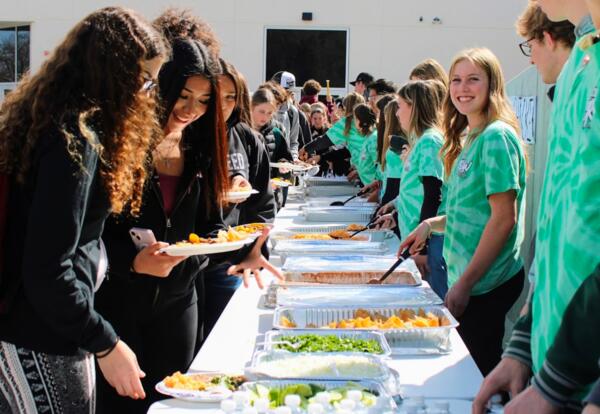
pixel 109 350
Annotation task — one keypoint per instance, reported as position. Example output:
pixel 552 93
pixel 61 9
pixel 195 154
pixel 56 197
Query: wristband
pixel 108 351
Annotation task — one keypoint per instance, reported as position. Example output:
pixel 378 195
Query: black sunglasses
pixel 526 47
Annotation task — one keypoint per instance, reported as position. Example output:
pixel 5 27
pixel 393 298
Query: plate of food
pixel 292 167
pixel 239 193
pixel 252 228
pixel 200 387
pixel 280 182
pixel 226 241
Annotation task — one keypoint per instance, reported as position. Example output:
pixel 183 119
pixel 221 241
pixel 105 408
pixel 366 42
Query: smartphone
pixel 142 237
pixel 397 142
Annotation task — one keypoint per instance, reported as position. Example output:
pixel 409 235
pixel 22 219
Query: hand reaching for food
pixel 239 184
pixel 253 262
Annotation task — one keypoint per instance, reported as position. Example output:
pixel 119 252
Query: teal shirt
pixel 493 162
pixel 393 168
pixel 423 161
pixel 367 164
pixel 353 141
pixel 568 223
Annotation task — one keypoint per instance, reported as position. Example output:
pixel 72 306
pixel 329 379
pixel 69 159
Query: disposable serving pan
pixel 287 248
pixel 355 295
pixel 348 268
pixel 409 341
pixel 339 214
pixel 330 191
pixel 385 402
pixel 278 235
pixel 357 202
pixel 263 366
pixel 328 181
pixel 272 338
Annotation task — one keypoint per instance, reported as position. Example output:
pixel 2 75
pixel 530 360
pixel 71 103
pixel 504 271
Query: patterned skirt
pixel 33 382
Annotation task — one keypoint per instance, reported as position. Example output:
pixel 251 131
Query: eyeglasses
pixel 526 47
pixel 148 85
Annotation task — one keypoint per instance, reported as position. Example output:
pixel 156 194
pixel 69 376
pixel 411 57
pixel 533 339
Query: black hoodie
pixel 248 157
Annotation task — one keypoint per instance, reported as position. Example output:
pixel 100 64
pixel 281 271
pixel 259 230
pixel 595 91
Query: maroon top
pixel 168 188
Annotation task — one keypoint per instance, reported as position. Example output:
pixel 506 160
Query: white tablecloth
pixel 230 346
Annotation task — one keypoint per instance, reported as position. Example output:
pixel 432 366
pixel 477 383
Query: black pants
pixel 161 330
pixel 482 324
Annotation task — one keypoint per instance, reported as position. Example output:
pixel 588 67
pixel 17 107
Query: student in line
pixel 365 122
pixel 429 69
pixel 247 160
pixel 73 140
pixel 151 296
pixel 484 204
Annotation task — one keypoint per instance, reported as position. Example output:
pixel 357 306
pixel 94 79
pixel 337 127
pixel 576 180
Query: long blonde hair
pixel 350 102
pixel 497 108
pixel 424 98
pixel 392 127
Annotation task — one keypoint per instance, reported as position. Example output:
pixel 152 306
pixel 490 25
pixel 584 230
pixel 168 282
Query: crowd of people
pixel 96 143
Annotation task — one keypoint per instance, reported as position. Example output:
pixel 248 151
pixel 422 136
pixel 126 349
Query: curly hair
pixel 176 23
pixel 311 87
pixel 86 79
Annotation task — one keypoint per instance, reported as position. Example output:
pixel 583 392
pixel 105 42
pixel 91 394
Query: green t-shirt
pixel 367 163
pixel 423 161
pixel 393 168
pixel 353 141
pixel 568 226
pixel 493 162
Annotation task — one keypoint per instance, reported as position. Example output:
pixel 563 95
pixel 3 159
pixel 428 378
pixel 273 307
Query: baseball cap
pixel 285 79
pixel 363 77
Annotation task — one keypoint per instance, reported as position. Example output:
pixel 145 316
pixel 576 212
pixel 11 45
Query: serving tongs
pixel 403 256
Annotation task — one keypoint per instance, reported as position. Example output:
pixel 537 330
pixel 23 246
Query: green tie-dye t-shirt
pixel 423 161
pixel 353 141
pixel 493 162
pixel 367 163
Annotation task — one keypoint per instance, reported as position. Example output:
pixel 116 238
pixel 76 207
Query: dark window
pixel 308 54
pixel 22 50
pixel 7 54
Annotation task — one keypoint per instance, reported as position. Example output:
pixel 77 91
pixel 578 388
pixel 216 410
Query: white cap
pixel 288 80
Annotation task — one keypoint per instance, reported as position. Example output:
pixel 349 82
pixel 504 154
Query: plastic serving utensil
pixel 403 256
pixel 343 203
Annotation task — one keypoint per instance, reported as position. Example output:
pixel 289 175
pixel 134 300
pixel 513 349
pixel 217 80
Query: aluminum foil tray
pixel 411 341
pixel 330 191
pixel 272 337
pixel 326 366
pixel 287 248
pixel 328 181
pixel 355 295
pixel 385 403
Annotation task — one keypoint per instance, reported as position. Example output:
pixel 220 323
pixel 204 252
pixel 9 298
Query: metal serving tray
pixel 287 248
pixel 357 202
pixel 410 341
pixel 385 402
pixel 355 295
pixel 276 236
pixel 330 191
pixel 272 337
pixel 264 365
pixel 343 214
pixel 328 181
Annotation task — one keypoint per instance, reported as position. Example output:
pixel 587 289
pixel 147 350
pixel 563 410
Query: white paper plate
pixel 206 248
pixel 215 394
pixel 236 195
pixel 290 166
pixel 280 183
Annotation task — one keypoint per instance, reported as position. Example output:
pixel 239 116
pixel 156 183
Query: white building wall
pixel 386 37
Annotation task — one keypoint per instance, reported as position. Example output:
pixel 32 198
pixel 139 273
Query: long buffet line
pixel 328 341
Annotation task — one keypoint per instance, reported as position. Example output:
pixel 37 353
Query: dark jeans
pixel 482 324
pixel 438 274
pixel 219 287
pixel 161 334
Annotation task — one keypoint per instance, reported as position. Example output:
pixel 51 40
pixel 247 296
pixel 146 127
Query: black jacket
pixel 52 248
pixel 248 157
pixel 275 141
pixel 188 216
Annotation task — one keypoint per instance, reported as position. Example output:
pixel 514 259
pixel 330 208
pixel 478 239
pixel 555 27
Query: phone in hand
pixel 397 143
pixel 142 238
